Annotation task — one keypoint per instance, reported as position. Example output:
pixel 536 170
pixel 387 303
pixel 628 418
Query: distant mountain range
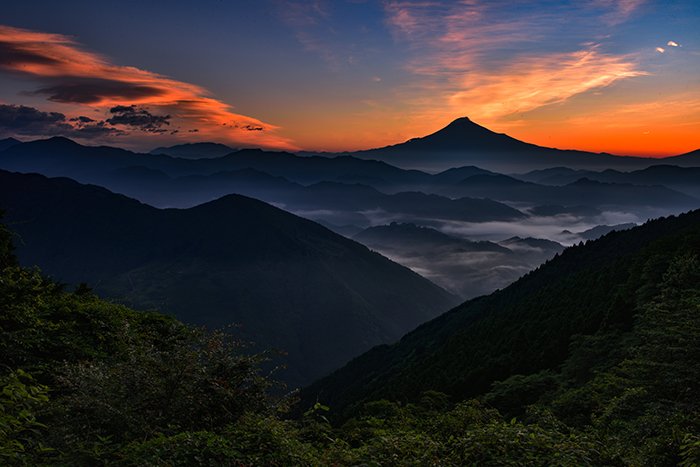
pixel 583 190
pixel 291 284
pixel 340 191
pixel 685 179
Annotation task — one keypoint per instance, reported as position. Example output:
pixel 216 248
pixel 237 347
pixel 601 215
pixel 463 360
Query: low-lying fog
pixel 475 258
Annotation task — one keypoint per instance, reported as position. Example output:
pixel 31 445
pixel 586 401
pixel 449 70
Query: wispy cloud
pixel 615 12
pixel 493 59
pixel 79 79
pixel 309 20
pixel 533 82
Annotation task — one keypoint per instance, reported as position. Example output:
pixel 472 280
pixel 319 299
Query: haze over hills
pixel 291 284
pixel 348 195
pixel 465 268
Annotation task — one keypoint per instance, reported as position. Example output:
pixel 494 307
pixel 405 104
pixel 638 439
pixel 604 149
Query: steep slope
pixel 525 328
pixel 290 283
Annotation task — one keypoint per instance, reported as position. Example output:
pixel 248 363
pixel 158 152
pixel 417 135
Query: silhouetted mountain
pixel 569 310
pixel 291 284
pixel 464 142
pixel 195 150
pixel 689 159
pixel 8 142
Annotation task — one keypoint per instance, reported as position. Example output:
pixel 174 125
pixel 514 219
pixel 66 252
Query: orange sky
pixel 606 76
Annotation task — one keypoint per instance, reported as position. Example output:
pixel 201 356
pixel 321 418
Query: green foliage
pixel 141 389
pixel 190 381
pixel 690 451
pixel 254 440
pixel 20 431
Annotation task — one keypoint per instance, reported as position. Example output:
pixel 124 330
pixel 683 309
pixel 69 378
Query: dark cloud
pixel 20 116
pixel 138 117
pixel 82 119
pixel 23 120
pixel 246 127
pixel 250 127
pixel 90 91
pixel 13 55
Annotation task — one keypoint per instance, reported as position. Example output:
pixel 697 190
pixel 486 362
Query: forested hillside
pixel 85 382
pixel 528 326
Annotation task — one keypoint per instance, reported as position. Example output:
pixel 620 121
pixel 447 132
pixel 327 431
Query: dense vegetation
pixel 86 382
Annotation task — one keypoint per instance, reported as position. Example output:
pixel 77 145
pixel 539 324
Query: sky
pixel 617 76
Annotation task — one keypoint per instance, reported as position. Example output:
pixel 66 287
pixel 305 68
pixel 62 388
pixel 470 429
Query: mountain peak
pixel 463 126
pixel 461 121
pixel 461 135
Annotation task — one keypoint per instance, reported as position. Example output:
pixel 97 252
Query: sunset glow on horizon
pixel 599 75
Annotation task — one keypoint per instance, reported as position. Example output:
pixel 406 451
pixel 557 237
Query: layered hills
pixel 289 283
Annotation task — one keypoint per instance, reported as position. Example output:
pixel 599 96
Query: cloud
pixel 308 20
pixel 492 60
pixel 93 91
pixel 78 78
pixel 538 81
pixel 82 119
pixel 617 11
pixel 29 121
pixel 660 50
pixel 138 117
pixel 672 44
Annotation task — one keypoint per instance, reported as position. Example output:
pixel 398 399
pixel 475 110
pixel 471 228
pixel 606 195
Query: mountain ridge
pixel 290 283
